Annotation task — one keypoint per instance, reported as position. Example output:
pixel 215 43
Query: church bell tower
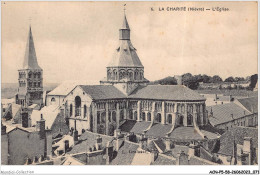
pixel 125 71
pixel 30 88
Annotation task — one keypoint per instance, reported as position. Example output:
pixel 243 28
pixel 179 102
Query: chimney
pixel 75 135
pixel 66 146
pixel 168 144
pixel 247 146
pixel 182 159
pixel 230 98
pixel 109 152
pixel 117 133
pixel 154 155
pixel 3 129
pixel 191 151
pixel 35 159
pixel 40 126
pixel 231 115
pixel 25 118
pixel 99 142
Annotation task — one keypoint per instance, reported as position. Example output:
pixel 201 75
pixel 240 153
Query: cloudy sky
pixel 76 40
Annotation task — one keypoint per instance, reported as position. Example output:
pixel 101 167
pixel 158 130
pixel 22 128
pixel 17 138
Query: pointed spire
pixel 125 23
pixel 30 59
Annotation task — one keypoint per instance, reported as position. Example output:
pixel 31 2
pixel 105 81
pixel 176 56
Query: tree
pixel 229 79
pixel 216 79
pixel 253 81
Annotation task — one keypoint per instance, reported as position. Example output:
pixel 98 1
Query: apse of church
pixel 124 95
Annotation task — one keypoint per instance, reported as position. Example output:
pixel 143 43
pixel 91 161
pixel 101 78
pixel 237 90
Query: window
pixel 77 106
pixel 35 75
pixel 103 117
pixel 98 118
pixel 122 116
pixel 35 84
pixel 39 84
pixel 109 116
pixel 169 119
pixel 114 116
pixel 149 117
pixel 189 120
pixel 131 114
pixel 85 111
pixel 158 118
pixel 135 115
pixel 71 109
pixel 143 116
pixel 53 99
pixel 181 120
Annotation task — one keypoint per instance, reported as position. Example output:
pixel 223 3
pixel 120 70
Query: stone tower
pixel 30 77
pixel 125 71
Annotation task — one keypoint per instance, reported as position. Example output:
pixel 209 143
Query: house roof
pixel 194 160
pixel 185 133
pixel 72 161
pixel 166 92
pixel 125 154
pixel 160 144
pixel 223 113
pixel 159 130
pixel 237 134
pixel 250 103
pixel 30 59
pixel 134 126
pixel 178 149
pixel 164 160
pixel 98 92
pixel 88 139
pixel 49 115
pixel 63 89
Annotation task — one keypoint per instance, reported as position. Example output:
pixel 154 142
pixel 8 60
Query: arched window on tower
pixel 30 75
pixel 136 75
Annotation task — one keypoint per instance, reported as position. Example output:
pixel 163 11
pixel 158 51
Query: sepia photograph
pixel 129 83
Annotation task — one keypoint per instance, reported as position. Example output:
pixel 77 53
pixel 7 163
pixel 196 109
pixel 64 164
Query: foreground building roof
pixel 236 135
pixel 250 103
pixel 225 113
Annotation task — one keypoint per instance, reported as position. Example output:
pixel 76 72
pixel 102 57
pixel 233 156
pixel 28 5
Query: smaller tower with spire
pixel 30 88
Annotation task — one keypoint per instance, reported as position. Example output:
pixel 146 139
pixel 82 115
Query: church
pixel 125 101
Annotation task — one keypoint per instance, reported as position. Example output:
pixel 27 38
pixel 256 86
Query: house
pixel 229 115
pixel 23 144
pixel 239 145
pixel 54 120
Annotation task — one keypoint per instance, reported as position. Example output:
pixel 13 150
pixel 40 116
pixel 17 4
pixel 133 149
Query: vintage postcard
pixel 129 83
